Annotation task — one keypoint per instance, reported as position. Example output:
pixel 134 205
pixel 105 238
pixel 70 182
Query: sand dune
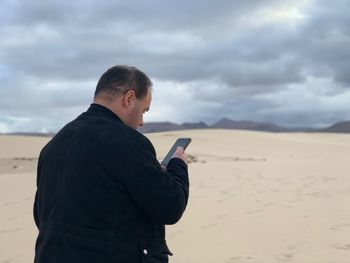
pixel 255 197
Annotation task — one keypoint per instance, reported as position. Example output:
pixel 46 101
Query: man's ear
pixel 129 98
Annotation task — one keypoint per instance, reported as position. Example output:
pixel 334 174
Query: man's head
pixel 126 91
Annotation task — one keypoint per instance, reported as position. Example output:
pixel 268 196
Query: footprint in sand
pixel 197 196
pixel 8 203
pixel 285 257
pixel 335 227
pixel 26 212
pixel 10 230
pixel 222 216
pixel 341 246
pixel 17 201
pixel 225 192
pixel 13 258
pixel 328 179
pixel 319 194
pixel 221 200
pixel 296 245
pixel 240 259
pixel 254 211
pixel 209 226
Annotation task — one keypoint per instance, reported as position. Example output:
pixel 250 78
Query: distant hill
pixel 225 123
pixel 248 125
pixel 196 125
pixel 341 127
pixel 160 127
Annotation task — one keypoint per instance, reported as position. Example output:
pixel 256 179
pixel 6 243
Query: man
pixel 102 195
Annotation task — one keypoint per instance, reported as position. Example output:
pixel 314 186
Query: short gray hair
pixel 120 79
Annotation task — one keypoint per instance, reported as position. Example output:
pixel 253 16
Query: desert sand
pixel 254 197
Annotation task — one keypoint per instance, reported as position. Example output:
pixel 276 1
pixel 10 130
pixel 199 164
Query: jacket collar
pixel 103 111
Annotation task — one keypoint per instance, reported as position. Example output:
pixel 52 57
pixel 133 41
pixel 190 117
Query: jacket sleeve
pixel 35 210
pixel 162 195
pixel 36 203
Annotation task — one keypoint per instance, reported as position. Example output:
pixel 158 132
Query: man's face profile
pixel 136 108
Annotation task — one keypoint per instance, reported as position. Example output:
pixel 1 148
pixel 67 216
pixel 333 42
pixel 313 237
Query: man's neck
pixel 112 106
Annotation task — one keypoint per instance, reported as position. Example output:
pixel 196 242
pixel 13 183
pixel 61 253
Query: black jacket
pixel 102 196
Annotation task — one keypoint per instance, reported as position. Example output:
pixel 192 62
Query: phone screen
pixel 181 142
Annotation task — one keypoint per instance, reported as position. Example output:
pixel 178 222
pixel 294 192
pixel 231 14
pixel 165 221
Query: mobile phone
pixel 181 142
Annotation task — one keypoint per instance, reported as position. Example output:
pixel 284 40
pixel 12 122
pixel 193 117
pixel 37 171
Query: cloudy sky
pixel 282 61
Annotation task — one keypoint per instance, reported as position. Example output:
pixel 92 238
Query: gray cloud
pixel 224 55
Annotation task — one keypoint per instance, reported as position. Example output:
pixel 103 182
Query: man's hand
pixel 180 154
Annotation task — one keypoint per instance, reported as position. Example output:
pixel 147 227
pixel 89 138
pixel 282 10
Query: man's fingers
pixel 179 150
pixel 180 154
